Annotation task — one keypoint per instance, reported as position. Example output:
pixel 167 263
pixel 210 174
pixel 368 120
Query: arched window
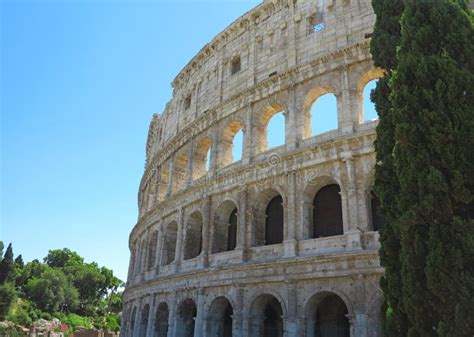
pixel 202 158
pixel 274 221
pixel 187 313
pixel 231 142
pixel 276 130
pixel 152 249
pixel 169 244
pixel 232 231
pixel 267 316
pixel 225 228
pixel 133 321
pixel 180 171
pixel 161 320
pixel 326 314
pixel 327 212
pixel 220 318
pixel 270 131
pixel 368 107
pixel 163 183
pixel 144 321
pixel 193 242
pixel 324 114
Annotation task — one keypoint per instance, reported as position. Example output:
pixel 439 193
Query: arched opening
pixel 225 228
pixel 220 318
pixel 152 244
pixel 326 316
pixel 232 143
pixel 327 212
pixel 133 321
pixel 270 131
pixel 186 318
pixel 180 170
pixel 193 242
pixel 163 183
pixel 368 107
pixel 274 221
pixel 378 220
pixel 161 320
pixel 266 317
pixel 144 321
pixel 202 158
pixel 269 219
pixel 367 82
pixel 324 114
pixel 169 243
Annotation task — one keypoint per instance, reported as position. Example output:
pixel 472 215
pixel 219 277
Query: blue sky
pixel 80 80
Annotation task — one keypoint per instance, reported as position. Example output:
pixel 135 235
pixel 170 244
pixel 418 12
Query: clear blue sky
pixel 80 80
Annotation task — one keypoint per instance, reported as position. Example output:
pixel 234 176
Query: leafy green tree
pixel 52 291
pixel 6 266
pixel 7 297
pixel 383 47
pixel 60 258
pixel 433 103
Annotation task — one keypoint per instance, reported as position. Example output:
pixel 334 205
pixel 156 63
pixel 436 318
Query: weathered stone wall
pixel 285 65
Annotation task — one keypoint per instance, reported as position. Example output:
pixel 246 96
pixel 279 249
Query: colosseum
pixel 237 237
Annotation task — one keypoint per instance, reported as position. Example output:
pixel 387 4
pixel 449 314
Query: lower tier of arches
pixel 345 306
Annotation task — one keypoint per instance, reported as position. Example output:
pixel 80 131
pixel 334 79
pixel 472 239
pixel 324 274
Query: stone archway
pixel 327 212
pixel 224 231
pixel 143 321
pixel 161 320
pixel 185 321
pixel 220 318
pixel 326 316
pixel 266 317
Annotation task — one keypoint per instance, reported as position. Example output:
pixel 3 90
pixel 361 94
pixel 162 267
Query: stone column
pixel 345 108
pixel 159 247
pixel 292 55
pixel 190 167
pixel 179 241
pixel 250 139
pixel 291 320
pixel 138 318
pixel 151 316
pixel 358 325
pixel 171 175
pixel 353 233
pixel 237 317
pixel 198 324
pixel 290 242
pixel 172 317
pixel 241 243
pixel 206 219
pixel 292 131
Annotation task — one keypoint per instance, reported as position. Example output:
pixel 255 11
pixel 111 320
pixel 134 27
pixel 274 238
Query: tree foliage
pixel 425 171
pixel 64 286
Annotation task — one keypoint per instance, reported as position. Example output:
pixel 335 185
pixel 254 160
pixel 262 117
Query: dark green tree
pixel 432 95
pixel 52 291
pixel 6 266
pixel 7 296
pixel 60 258
pixel 383 47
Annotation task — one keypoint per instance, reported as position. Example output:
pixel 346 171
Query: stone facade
pixel 201 263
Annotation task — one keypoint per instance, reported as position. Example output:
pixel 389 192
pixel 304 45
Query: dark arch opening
pixel 186 318
pixel 331 320
pixel 144 321
pixel 232 231
pixel 273 322
pixel 220 318
pixel 327 213
pixel 274 221
pixel 133 320
pixel 266 317
pixel 161 320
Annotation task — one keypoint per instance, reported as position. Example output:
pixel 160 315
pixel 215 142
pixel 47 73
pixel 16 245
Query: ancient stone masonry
pixel 277 241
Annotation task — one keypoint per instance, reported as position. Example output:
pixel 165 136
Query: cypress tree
pixel 6 266
pixel 432 96
pixel 385 39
